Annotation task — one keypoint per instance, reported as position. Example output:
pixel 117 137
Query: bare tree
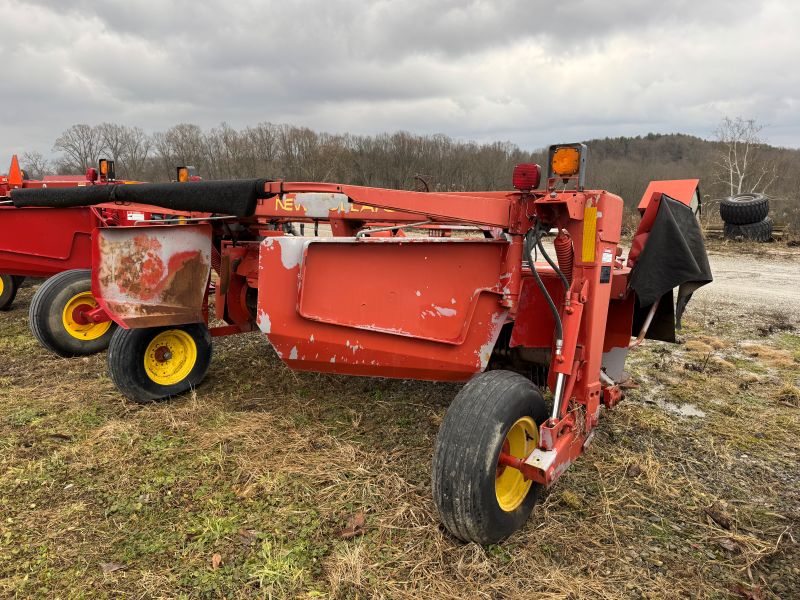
pixel 135 151
pixel 81 146
pixel 128 146
pixel 35 165
pixel 741 166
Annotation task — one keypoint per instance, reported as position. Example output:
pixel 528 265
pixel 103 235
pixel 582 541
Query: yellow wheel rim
pixel 510 486
pixel 70 318
pixel 2 286
pixel 170 357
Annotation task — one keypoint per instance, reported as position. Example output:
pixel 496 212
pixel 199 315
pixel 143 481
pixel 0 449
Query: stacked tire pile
pixel 746 216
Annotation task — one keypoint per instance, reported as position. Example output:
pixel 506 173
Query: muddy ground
pixel 247 487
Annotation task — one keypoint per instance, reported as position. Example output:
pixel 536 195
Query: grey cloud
pixel 529 72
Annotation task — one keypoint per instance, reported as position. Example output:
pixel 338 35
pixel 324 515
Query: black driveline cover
pixel 235 197
pixel 674 256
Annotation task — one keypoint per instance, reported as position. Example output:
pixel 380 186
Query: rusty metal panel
pixel 427 308
pixel 152 276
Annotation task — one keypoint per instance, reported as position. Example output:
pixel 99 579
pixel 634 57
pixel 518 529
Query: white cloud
pixel 529 72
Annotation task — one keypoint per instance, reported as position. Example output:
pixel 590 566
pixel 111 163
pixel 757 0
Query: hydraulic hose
pixel 533 238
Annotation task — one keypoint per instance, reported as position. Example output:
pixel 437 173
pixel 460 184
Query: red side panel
pixel 151 276
pixel 682 190
pixel 40 242
pixel 424 308
pixel 535 325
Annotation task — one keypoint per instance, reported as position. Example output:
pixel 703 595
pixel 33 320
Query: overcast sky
pixel 530 72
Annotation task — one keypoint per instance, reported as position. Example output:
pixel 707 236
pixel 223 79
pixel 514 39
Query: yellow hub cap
pixel 2 286
pixel 170 357
pixel 510 486
pixel 77 326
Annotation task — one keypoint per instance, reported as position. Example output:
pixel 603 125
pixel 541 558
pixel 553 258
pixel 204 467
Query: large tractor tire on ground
pixel 9 284
pixel 157 363
pixel 757 232
pixel 478 500
pixel 743 209
pixel 55 316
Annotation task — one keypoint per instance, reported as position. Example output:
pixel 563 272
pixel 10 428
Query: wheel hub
pixel 75 322
pixel 170 357
pixel 511 487
pixel 163 354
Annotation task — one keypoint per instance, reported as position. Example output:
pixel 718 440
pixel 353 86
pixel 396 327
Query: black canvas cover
pixel 674 256
pixel 234 197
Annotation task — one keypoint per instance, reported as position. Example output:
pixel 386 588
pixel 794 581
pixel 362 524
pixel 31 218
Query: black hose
pixel 552 264
pixel 536 234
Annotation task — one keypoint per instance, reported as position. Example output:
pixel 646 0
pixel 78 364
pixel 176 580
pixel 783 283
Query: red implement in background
pixel 686 191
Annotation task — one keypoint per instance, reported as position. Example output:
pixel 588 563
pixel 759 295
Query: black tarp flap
pixel 674 256
pixel 233 197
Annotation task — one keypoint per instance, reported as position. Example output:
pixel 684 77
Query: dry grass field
pixel 269 484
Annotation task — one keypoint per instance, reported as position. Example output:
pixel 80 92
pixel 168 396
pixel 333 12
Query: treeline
pixel 288 152
pixel 623 165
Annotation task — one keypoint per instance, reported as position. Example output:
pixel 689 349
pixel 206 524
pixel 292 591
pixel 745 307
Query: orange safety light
pixel 566 162
pixel 106 168
pixel 186 173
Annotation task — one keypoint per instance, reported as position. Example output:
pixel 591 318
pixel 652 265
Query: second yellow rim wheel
pixel 78 327
pixel 510 486
pixel 170 357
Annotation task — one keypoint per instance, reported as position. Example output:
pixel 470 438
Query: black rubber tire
pixel 47 306
pixel 757 232
pixel 126 365
pixel 743 209
pixel 466 452
pixel 9 292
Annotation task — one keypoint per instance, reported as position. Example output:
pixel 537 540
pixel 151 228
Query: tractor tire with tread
pixel 157 363
pixel 465 471
pixel 743 209
pixel 8 290
pixel 757 232
pixel 51 316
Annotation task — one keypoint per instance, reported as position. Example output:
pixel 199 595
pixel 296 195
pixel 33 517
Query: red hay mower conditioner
pixel 479 308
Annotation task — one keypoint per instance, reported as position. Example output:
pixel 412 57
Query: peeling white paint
pixel 319 204
pixel 333 359
pixel 264 323
pixel 291 250
pixel 311 339
pixel 293 353
pixel 445 312
pixel 484 353
pixel 452 300
pixel 419 293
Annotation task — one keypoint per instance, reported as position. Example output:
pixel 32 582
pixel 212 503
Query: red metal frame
pixel 424 307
